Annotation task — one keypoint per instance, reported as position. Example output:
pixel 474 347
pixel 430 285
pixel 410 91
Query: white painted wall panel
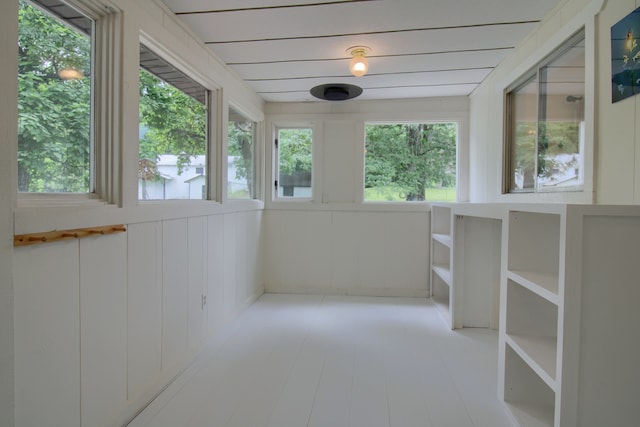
pixel 103 327
pixel 215 272
pixel 47 335
pixel 242 259
pixel 197 254
pixel 174 295
pixel 368 230
pixel 368 253
pixel 406 234
pixel 297 250
pixel 8 196
pixel 618 138
pixel 340 145
pixel 230 269
pixel 254 248
pixel 344 249
pixel 144 305
pixel 609 325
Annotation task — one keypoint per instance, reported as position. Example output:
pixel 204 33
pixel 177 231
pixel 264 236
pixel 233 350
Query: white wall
pixel 618 143
pixel 335 243
pixel 615 149
pixel 8 144
pixel 103 323
pixel 100 325
pixel 347 252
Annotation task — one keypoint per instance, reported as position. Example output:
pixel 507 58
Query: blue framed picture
pixel 625 57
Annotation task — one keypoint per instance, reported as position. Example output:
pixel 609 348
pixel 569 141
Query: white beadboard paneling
pixel 344 250
pixel 230 281
pixel 103 327
pixel 610 318
pixel 215 272
pixel 338 177
pixel 47 335
pixel 314 242
pixel 298 250
pixel 8 196
pixel 197 254
pixel 366 253
pixel 274 275
pixel 174 294
pixel 372 262
pixel 144 305
pixel 241 259
pixel 406 234
pixel 254 253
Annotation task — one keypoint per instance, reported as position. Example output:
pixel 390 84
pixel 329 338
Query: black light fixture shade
pixel 336 91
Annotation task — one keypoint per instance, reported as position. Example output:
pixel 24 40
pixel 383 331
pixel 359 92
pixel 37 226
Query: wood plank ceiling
pixel 419 48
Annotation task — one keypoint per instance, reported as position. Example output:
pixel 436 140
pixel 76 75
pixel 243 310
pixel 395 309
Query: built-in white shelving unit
pixel 441 274
pixel 465 263
pixel 567 280
pixel 557 337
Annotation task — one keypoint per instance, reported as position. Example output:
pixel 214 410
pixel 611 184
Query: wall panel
pixel 103 327
pixel 197 255
pixel 47 335
pixel 144 306
pixel 230 266
pixel 174 295
pixel 364 253
pixel 215 272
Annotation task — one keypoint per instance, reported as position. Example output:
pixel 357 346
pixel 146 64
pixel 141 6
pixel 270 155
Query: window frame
pixel 255 166
pixel 315 163
pixel 461 156
pixel 534 74
pixel 210 132
pixel 104 170
pixel 91 193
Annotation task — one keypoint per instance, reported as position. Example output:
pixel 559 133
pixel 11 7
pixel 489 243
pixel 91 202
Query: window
pixel 173 132
pixel 410 162
pixel 55 148
pixel 545 124
pixel 240 166
pixel 294 168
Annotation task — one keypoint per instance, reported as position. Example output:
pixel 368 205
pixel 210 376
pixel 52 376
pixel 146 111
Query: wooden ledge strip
pixel 57 235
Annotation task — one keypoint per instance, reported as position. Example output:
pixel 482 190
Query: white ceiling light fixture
pixel 70 74
pixel 359 64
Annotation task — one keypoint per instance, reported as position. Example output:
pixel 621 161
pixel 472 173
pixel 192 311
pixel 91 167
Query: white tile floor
pixel 331 361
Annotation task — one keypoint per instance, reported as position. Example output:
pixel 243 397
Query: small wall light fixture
pixel 70 74
pixel 359 64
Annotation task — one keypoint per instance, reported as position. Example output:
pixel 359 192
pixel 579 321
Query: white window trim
pixel 316 165
pixel 534 73
pixel 585 19
pixel 216 116
pixel 104 124
pixel 258 155
pixel 462 158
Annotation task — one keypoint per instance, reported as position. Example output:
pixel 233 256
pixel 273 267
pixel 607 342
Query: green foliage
pixel 395 194
pixel 410 158
pixel 172 122
pixel 295 147
pixel 549 139
pixel 556 138
pixel 240 145
pixel 54 115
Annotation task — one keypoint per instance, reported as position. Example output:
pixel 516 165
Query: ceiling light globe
pixel 359 65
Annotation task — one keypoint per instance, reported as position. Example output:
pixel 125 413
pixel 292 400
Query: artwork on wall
pixel 625 57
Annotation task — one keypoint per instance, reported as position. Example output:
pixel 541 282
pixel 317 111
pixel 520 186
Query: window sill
pixel 52 200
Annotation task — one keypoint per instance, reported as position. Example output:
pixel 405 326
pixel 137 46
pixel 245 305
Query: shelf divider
pixel 544 285
pixel 539 353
